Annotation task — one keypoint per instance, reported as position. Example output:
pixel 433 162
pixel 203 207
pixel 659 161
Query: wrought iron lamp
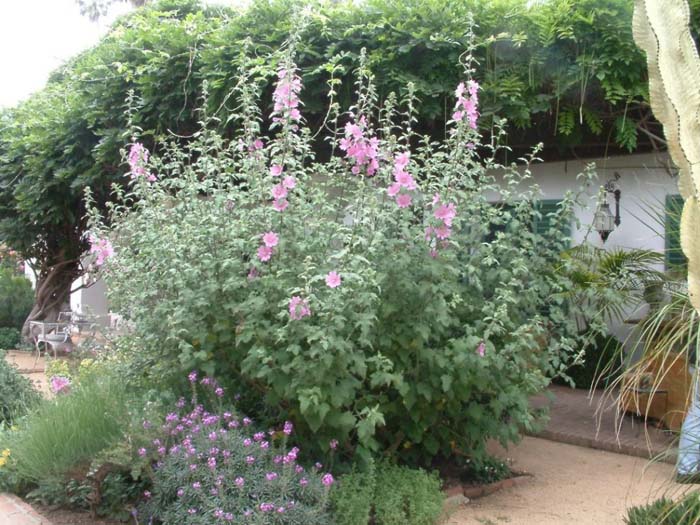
pixel 603 220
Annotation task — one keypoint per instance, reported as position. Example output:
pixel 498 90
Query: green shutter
pixel 543 224
pixel 675 260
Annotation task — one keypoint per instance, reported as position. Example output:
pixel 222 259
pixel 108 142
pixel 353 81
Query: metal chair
pixel 55 336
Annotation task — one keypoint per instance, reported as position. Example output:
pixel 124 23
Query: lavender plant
pixel 213 468
pixel 394 297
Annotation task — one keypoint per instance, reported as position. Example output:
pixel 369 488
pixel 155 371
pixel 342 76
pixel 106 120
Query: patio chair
pixel 54 336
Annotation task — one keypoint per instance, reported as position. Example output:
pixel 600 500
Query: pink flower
pixel 137 160
pixel 446 213
pixel 467 107
pixel 403 179
pixel 327 480
pixel 298 308
pixel 280 204
pixel 288 428
pixel 289 182
pixel 481 349
pixel 279 191
pixel 253 273
pixel 303 482
pixel 333 444
pixel 142 452
pixel 286 95
pixel 258 144
pixel 333 280
pixel 394 189
pixel 436 199
pixel 270 476
pixel 60 385
pixel 401 160
pixel 239 481
pixel 264 253
pixel 270 239
pixel 403 200
pixel 102 248
pixel 442 232
pixel 276 170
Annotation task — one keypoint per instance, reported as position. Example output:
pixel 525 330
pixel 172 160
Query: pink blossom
pixel 279 191
pixel 276 170
pixel 403 200
pixel 137 160
pixel 443 232
pixel 271 476
pixel 253 273
pixel 286 95
pixel 289 182
pixel 394 189
pixel 288 428
pixel 327 480
pixel 280 204
pixel 333 444
pixel 361 150
pixel 102 248
pixel 436 199
pixel 60 385
pixel 467 107
pixel 270 239
pixel 298 308
pixel 257 144
pixel 333 279
pixel 403 179
pixel 481 349
pixel 401 160
pixel 446 213
pixel 264 253
pixel 239 481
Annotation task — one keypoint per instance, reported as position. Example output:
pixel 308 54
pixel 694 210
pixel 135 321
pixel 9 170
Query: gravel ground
pixel 570 485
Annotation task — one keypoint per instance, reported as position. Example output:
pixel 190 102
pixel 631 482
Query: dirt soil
pixel 570 485
pixel 65 517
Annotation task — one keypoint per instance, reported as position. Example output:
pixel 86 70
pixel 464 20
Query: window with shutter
pixel 675 260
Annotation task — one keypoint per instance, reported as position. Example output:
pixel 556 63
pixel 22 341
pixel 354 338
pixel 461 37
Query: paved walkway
pixel 13 511
pixel 570 485
pixel 577 419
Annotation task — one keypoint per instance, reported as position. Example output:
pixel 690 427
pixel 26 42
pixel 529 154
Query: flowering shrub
pixel 16 392
pixel 215 469
pixel 379 298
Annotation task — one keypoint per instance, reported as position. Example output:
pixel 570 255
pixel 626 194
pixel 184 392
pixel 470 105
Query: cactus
pixel 662 30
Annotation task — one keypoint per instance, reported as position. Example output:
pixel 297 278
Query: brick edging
pixel 14 511
pixel 614 447
pixel 479 491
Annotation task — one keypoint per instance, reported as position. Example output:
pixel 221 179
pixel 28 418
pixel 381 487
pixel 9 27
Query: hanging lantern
pixel 604 221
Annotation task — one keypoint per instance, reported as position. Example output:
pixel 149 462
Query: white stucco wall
pixel 645 181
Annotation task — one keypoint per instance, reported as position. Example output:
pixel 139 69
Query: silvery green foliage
pixel 427 346
pixel 214 468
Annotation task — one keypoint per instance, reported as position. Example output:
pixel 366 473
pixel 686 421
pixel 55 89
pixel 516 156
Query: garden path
pixel 577 418
pixel 570 484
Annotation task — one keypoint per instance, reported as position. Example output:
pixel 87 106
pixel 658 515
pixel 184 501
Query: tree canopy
pixel 563 72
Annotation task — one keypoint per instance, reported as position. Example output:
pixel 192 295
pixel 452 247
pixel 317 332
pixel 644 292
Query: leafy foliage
pixel 16 299
pixel 214 468
pixel 560 71
pixel 388 495
pixel 17 394
pixel 9 338
pixel 667 512
pixel 428 344
pixel 64 435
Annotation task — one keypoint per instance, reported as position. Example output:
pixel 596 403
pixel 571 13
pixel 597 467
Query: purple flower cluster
pixel 213 460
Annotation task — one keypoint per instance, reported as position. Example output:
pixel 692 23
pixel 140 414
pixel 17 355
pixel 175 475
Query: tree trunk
pixel 53 288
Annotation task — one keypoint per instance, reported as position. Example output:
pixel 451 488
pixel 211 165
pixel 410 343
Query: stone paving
pixel 579 419
pixel 13 511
